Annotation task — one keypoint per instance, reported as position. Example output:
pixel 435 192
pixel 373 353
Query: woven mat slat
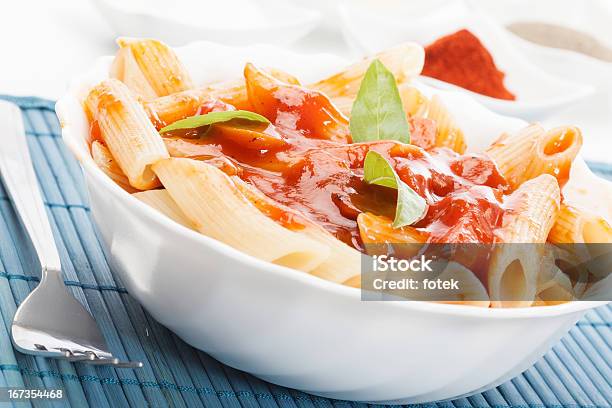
pixel 577 372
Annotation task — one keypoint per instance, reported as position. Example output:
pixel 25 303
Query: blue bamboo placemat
pixel 576 373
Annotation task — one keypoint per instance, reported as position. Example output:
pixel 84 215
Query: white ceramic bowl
pixel 539 94
pixel 291 328
pixel 269 21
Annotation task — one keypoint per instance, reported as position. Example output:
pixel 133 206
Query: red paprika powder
pixel 461 59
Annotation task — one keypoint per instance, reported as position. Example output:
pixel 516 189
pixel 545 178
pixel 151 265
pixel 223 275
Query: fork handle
pixel 21 184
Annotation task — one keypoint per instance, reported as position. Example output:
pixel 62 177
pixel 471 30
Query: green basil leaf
pixel 377 112
pixel 410 207
pixel 212 118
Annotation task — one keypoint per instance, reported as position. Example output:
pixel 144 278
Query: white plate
pixel 538 93
pixel 291 328
pixel 231 22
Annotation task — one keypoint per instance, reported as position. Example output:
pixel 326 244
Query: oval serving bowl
pixel 291 328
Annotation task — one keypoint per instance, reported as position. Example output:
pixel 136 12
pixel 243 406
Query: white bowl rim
pixel 69 137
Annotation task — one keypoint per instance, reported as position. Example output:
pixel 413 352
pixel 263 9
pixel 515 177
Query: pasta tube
pixel 472 291
pixel 554 287
pixel 168 109
pixel 105 161
pixel 217 208
pixel 570 260
pixel 448 133
pixel 405 61
pixel 162 202
pixel 149 68
pixel 586 236
pixel 531 211
pixel 574 225
pixel 342 262
pixel 127 132
pixel 534 151
pixel 344 105
pixel 513 270
pixel 283 104
pixel 380 238
pixel 414 102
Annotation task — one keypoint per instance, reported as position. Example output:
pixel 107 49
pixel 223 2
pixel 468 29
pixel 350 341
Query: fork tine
pixel 89 357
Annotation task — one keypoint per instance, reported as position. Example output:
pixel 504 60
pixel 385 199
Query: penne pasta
pixel 472 292
pixel 574 225
pixel 342 262
pixel 232 92
pixel 162 202
pixel 513 270
pixel 405 61
pixel 149 68
pixel 571 261
pixel 106 162
pixel 125 128
pixel 531 211
pixel 168 109
pixel 413 100
pixel 513 275
pixel 375 229
pixel 553 288
pixel 126 69
pixel 448 133
pixel 344 104
pixel 534 151
pixel 217 208
pixel 585 236
pixel 282 103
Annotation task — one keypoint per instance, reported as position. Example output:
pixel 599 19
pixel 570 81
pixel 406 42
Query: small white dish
pixel 294 329
pixel 592 115
pixel 234 22
pixel 539 94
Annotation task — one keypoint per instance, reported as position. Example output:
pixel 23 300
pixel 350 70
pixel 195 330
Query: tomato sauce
pixel 305 160
pixel 323 180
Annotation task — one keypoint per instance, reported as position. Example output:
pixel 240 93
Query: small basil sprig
pixel 410 207
pixel 213 117
pixel 377 112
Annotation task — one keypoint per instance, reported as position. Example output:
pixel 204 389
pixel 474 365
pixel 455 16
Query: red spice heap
pixel 461 59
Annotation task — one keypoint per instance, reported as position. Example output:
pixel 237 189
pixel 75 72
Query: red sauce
pixel 305 160
pixel 323 180
pixel 293 107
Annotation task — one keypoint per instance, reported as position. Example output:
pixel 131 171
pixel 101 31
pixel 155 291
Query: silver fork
pixel 50 322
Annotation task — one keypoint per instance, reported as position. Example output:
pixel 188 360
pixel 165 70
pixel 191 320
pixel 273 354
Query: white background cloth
pixel 43 44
